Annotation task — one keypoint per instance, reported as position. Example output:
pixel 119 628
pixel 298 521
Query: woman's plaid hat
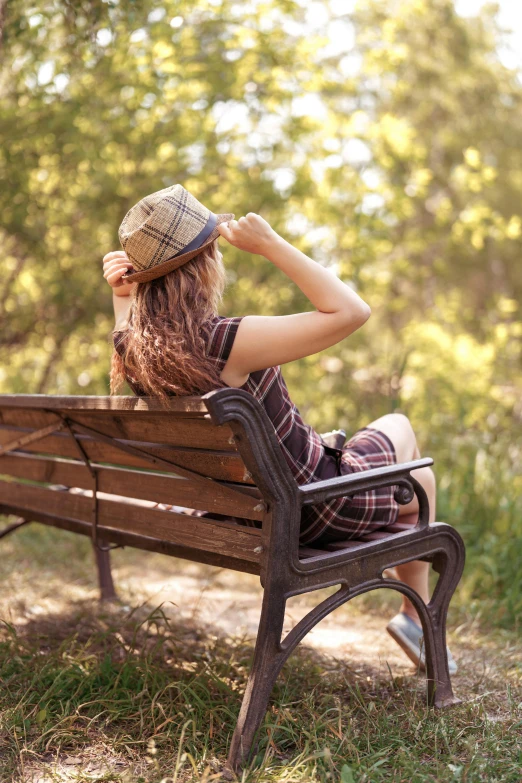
pixel 165 230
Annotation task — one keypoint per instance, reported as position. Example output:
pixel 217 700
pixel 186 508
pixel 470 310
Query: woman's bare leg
pixel 399 430
pixel 416 572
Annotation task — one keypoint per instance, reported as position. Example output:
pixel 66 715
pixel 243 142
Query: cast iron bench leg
pixel 18 523
pixel 103 564
pixel 268 659
pixel 270 653
pixel 449 564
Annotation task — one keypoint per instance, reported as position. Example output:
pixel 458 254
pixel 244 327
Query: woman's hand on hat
pixel 115 264
pixel 251 233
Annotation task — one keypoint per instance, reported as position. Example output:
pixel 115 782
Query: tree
pixel 387 142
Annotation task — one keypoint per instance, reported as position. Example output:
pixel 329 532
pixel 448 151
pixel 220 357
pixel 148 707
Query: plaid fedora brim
pixel 176 261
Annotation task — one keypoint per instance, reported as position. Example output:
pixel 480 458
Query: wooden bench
pixel 216 453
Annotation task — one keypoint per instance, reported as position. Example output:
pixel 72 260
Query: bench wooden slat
pixel 133 483
pixel 400 527
pixel 164 428
pixel 145 542
pixel 335 546
pixel 306 551
pixel 190 406
pixel 133 516
pixel 377 535
pixel 224 466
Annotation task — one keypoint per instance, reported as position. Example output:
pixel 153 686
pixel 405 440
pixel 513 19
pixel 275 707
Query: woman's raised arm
pixel 264 341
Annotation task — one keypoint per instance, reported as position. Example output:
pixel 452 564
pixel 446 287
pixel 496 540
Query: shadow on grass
pixel 139 694
pixel 100 673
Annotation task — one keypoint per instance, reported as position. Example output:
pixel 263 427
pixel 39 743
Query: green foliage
pixel 397 159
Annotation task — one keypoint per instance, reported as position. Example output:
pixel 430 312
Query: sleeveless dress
pixel 308 458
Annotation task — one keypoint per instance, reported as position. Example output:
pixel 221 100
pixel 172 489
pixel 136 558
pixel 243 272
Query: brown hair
pixel 164 344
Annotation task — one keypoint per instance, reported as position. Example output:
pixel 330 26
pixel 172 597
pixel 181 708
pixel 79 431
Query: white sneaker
pixel 409 636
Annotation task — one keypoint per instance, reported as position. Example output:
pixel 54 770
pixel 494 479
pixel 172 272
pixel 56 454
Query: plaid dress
pixel 308 458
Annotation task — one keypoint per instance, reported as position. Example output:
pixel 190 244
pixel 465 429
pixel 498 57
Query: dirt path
pixel 231 602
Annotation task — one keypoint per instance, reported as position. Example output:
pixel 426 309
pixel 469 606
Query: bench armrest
pixel 363 481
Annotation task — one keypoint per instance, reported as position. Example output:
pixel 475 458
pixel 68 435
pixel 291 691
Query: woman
pixel 167 284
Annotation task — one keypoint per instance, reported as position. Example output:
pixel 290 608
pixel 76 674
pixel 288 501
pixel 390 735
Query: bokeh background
pixel 382 138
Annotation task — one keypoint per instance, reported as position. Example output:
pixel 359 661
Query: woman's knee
pixel 398 428
pixel 398 421
pixel 402 421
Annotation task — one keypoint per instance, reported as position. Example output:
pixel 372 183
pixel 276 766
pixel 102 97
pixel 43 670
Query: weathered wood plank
pixel 132 483
pixel 215 464
pixel 190 406
pixel 133 516
pixel 142 542
pixel 154 427
pixel 306 552
pixel 377 535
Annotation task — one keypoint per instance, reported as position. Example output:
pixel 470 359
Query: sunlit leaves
pixel 404 173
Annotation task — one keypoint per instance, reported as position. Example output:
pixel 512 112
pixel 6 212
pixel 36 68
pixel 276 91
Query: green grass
pixel 137 694
pixel 479 476
pixel 492 530
pixel 169 696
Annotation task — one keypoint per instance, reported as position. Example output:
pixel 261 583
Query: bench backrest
pixel 138 450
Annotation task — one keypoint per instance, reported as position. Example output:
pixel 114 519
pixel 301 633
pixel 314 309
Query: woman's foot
pixel 409 636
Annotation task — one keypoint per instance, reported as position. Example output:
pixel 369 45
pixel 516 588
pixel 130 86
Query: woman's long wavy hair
pixel 164 343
